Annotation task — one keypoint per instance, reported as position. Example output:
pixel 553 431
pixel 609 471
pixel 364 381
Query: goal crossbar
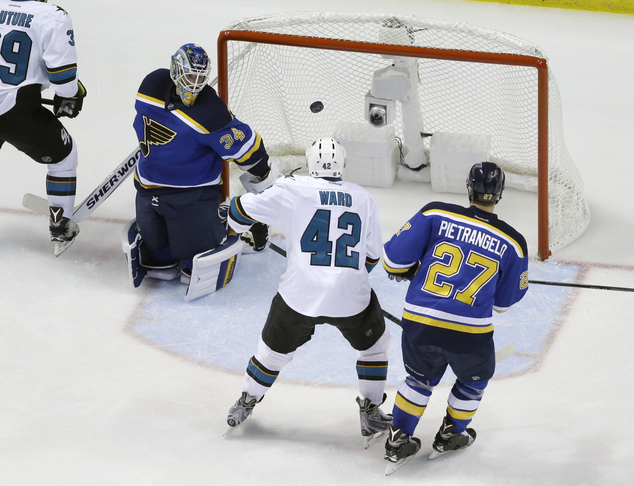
pixel 540 64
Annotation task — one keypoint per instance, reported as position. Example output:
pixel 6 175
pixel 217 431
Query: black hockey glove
pixel 257 236
pixel 411 271
pixel 70 107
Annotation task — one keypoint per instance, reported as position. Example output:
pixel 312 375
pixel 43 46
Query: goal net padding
pixel 475 92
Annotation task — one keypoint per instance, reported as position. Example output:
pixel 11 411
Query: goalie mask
pixel 485 182
pixel 326 158
pixel 189 69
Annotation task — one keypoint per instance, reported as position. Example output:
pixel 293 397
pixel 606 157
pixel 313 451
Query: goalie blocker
pixel 211 270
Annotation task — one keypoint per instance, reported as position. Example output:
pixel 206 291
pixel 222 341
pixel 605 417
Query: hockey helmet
pixel 326 158
pixel 485 182
pixel 189 69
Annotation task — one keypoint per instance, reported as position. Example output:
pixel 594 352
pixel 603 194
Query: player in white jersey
pixel 333 239
pixel 37 51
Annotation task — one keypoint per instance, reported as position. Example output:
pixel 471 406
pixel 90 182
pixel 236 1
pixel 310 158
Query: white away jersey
pixel 37 46
pixel 331 229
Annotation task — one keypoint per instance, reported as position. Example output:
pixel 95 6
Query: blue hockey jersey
pixel 183 147
pixel 471 263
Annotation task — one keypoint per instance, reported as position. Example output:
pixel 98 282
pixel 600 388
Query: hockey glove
pixel 70 107
pixel 254 184
pixel 257 236
pixel 409 275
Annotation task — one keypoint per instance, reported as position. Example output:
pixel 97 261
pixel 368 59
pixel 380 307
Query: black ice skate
pixel 374 422
pixel 241 410
pixel 63 230
pixel 400 448
pixel 447 440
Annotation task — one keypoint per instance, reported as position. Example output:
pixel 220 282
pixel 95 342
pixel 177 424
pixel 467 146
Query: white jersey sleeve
pixel 331 230
pixel 37 46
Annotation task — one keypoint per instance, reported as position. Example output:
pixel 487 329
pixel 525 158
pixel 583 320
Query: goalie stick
pixel 96 197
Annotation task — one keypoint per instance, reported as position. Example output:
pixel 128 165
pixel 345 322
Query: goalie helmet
pixel 189 69
pixel 485 182
pixel 326 158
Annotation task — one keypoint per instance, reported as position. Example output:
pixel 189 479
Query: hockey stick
pixel 581 286
pixel 48 102
pixel 500 355
pixel 96 197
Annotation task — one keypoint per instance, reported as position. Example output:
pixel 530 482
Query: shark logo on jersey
pixel 155 134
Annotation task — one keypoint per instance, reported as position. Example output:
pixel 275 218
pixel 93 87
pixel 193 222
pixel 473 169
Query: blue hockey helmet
pixel 485 182
pixel 189 69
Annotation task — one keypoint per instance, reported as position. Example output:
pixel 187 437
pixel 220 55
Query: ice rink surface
pixel 102 385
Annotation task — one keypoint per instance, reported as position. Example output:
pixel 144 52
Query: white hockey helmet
pixel 326 158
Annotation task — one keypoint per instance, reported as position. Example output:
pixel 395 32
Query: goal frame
pixel 540 64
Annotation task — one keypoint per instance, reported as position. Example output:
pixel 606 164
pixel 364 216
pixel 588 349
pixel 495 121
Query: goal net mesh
pixel 271 87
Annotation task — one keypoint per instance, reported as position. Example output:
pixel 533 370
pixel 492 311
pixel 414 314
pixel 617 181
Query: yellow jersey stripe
pixel 256 146
pixel 448 325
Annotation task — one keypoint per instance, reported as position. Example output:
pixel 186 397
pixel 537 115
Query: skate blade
pixel 228 431
pixel 370 440
pixel 62 246
pixel 434 454
pixel 392 467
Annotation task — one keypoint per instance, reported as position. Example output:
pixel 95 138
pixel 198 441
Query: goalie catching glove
pixel 70 107
pixel 257 237
pixel 408 275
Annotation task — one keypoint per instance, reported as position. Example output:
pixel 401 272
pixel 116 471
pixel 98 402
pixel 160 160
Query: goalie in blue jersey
pixel 185 131
pixel 463 263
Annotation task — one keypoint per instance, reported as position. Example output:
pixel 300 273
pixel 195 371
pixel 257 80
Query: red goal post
pixel 251 36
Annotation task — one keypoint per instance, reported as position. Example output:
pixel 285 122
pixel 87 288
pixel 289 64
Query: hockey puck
pixel 316 106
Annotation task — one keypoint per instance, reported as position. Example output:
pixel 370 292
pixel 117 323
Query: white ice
pixel 86 398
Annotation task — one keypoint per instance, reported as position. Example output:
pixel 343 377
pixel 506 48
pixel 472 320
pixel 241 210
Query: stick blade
pixel 504 352
pixel 35 203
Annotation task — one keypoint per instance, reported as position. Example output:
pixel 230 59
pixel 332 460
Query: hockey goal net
pixel 471 80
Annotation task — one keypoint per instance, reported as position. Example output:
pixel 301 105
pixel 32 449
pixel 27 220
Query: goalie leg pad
pixel 130 244
pixel 214 269
pixel 160 270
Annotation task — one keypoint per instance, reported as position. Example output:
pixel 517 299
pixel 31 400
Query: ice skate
pixel 400 448
pixel 63 230
pixel 241 410
pixel 374 422
pixel 447 440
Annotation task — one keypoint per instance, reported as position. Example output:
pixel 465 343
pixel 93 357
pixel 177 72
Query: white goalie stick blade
pixel 504 352
pixel 370 440
pixel 392 467
pixel 35 203
pixel 96 197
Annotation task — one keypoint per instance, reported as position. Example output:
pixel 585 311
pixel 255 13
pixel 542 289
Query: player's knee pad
pixel 66 167
pixel 214 269
pixel 272 359
pixel 379 350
